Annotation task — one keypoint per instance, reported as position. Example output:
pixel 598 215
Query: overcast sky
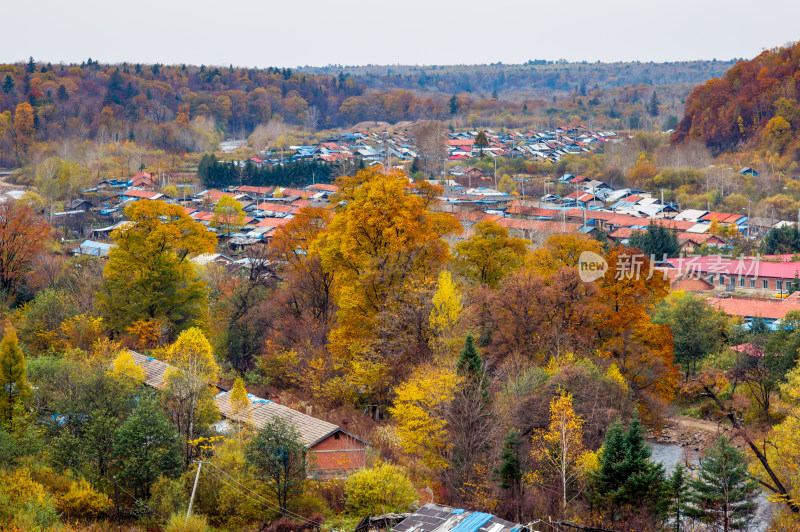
pixel 352 32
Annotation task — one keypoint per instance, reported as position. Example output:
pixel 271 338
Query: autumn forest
pixel 330 298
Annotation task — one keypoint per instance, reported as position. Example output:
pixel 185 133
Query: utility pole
pixel 194 489
pixel 116 501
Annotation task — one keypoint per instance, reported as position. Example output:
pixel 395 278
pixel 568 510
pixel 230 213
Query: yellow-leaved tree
pixel 446 311
pixel 382 242
pixel 189 383
pixel 419 411
pixel 489 254
pixel 240 402
pixel 783 452
pixel 148 274
pixel 228 216
pixel 561 250
pixel 125 368
pixel 558 452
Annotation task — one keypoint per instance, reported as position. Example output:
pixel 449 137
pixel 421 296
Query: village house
pixel 748 275
pixel 333 451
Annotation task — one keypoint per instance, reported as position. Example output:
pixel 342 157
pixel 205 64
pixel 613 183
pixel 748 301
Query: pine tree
pixel 795 285
pixel 627 480
pixel 677 491
pixel 723 493
pixel 8 84
pixel 453 105
pixel 13 388
pixel 510 469
pixel 62 94
pixel 654 105
pixel 470 365
pixel 30 68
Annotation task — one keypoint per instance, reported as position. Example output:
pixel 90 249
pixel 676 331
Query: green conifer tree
pixel 678 493
pixel 723 493
pixel 8 84
pixel 470 365
pixel 627 481
pixel 510 469
pixel 469 362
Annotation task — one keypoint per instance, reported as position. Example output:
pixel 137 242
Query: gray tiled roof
pixel 259 413
pixel 262 411
pixel 154 370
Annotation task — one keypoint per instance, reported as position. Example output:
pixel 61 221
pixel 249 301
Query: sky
pixel 265 33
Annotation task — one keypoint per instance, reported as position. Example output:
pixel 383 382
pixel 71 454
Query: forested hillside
pixel 182 108
pixel 754 103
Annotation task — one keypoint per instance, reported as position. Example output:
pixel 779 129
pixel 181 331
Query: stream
pixel 671 454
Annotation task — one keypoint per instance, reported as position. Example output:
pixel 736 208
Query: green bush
pixel 168 496
pixel 379 490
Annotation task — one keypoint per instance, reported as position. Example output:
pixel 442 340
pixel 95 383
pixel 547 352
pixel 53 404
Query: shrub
pixel 168 496
pixel 178 523
pixel 25 503
pixel 82 500
pixel 379 490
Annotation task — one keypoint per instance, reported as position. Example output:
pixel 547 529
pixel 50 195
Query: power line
pixel 137 501
pixel 265 501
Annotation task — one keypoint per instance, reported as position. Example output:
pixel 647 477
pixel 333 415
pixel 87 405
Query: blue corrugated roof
pixel 473 522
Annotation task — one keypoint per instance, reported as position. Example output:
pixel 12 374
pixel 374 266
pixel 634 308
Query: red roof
pixel 203 216
pixel 750 307
pixel 679 225
pixel 699 238
pixel 262 191
pixel 736 267
pixel 215 195
pixel 590 215
pixel 296 192
pixel 579 179
pixel 324 188
pixel 143 194
pixel 274 207
pixel 721 217
pixel 532 211
pixel 622 233
pixel 539 225
pixel 273 222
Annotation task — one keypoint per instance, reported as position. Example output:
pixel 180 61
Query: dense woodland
pixel 180 108
pixel 754 102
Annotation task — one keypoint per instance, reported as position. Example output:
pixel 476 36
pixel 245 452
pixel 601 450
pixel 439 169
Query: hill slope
pixel 754 103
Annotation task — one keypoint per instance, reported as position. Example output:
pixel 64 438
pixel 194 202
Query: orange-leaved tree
pixel 23 234
pixel 382 241
pixel 641 349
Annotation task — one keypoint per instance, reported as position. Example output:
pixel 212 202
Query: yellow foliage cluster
pixel 125 369
pixel 558 451
pixel 418 408
pixel 82 501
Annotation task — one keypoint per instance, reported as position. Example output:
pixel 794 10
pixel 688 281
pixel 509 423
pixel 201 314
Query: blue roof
pixel 473 522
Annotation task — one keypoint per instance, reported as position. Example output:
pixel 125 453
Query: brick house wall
pixel 338 454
